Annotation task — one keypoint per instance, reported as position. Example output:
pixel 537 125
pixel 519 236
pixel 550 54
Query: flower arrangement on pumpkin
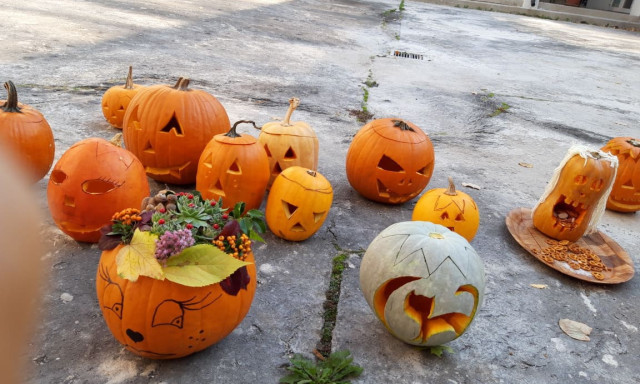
pixel 184 238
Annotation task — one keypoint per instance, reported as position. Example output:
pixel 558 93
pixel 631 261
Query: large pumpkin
pixel 25 131
pixel 289 143
pixel 390 161
pixel 298 203
pixel 424 282
pixel 160 319
pixel 116 100
pixel 93 179
pixel 167 128
pixel 575 198
pixel 233 167
pixel 450 208
pixel 625 194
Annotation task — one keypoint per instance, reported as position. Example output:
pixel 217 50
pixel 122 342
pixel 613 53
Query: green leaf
pixel 138 258
pixel 334 370
pixel 201 265
pixel 439 349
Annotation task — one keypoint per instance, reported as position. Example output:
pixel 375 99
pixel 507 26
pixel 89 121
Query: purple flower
pixel 173 242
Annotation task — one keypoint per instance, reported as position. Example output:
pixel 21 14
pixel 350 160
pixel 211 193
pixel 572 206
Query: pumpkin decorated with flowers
pixel 177 275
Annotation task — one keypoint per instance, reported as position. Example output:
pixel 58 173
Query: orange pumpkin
pixel 116 100
pixel 25 131
pixel 450 208
pixel 298 203
pixel 93 179
pixel 160 319
pixel 233 167
pixel 625 195
pixel 390 161
pixel 167 128
pixel 576 196
pixel 288 144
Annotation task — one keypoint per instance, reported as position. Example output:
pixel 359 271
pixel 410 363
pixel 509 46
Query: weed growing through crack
pixel 331 304
pixel 335 369
pixel 501 109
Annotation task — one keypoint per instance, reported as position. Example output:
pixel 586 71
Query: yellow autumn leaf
pixel 138 258
pixel 201 265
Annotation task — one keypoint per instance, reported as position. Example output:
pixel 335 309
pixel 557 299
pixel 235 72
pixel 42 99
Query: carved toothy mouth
pixel 568 214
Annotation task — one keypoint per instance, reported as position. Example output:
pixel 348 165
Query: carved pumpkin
pixel 450 208
pixel 625 195
pixel 298 203
pixel 160 319
pixel 233 167
pixel 424 282
pixel 93 179
pixel 288 144
pixel 116 100
pixel 390 161
pixel 168 127
pixel 576 196
pixel 25 131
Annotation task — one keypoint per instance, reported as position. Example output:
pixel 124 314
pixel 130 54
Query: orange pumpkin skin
pixel 167 128
pixel 298 203
pixel 625 195
pixel 390 161
pixel 233 167
pixel 93 179
pixel 159 319
pixel 26 132
pixel 289 144
pixel 450 208
pixel 116 100
pixel 567 211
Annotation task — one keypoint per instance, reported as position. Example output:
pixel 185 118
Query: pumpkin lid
pixel 307 179
pixel 399 130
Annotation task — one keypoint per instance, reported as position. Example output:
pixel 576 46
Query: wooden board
pixel 619 266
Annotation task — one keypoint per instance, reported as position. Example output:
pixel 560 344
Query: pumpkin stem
pixel 12 98
pixel 312 172
pixel 294 102
pixel 129 83
pixel 117 140
pixel 402 125
pixel 452 188
pixel 634 142
pixel 232 132
pixel 182 84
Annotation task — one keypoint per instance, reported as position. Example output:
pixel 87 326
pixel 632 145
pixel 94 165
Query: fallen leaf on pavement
pixel 469 185
pixel 526 165
pixel 574 329
pixel 539 286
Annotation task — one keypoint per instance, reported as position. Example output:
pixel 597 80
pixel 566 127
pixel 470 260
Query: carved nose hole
pixel 444 216
pixel 136 337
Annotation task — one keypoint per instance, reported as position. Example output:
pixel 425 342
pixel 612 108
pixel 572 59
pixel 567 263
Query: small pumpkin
pixel 424 282
pixel 625 194
pixel 289 143
pixel 167 128
pixel 93 179
pixel 448 207
pixel 390 161
pixel 116 99
pixel 233 167
pixel 25 131
pixel 298 203
pixel 575 198
pixel 160 319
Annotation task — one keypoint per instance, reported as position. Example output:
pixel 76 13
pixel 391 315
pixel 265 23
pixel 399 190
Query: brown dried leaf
pixel 469 185
pixel 574 329
pixel 539 286
pixel 526 165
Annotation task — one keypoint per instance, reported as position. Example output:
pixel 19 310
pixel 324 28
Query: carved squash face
pixel 116 100
pixel 625 195
pixel 390 161
pixel 159 319
pixel 93 179
pixel 298 203
pixel 423 282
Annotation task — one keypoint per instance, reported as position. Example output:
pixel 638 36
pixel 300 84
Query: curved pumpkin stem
pixel 294 102
pixel 452 188
pixel 182 84
pixel 402 125
pixel 312 172
pixel 117 140
pixel 12 98
pixel 634 142
pixel 232 132
pixel 129 83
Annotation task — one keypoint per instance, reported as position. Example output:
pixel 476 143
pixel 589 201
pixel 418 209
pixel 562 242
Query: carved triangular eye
pixel 235 168
pixel 388 164
pixel 290 155
pixel 173 124
pixel 317 216
pixel 459 217
pixel 208 162
pixel 217 189
pixel 276 169
pixel 423 170
pixel 289 209
pixel 149 148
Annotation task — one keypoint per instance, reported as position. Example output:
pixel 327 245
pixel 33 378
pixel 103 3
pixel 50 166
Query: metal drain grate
pixel 408 55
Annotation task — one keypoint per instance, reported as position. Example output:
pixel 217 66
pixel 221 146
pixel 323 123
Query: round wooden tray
pixel 619 264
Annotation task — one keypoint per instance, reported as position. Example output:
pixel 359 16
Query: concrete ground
pixel 558 84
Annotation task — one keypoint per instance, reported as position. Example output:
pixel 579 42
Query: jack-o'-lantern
pixel 625 194
pixel 575 198
pixel 289 143
pixel 167 128
pixel 298 203
pixel 390 161
pixel 25 131
pixel 424 282
pixel 450 208
pixel 93 179
pixel 116 100
pixel 233 167
pixel 160 319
